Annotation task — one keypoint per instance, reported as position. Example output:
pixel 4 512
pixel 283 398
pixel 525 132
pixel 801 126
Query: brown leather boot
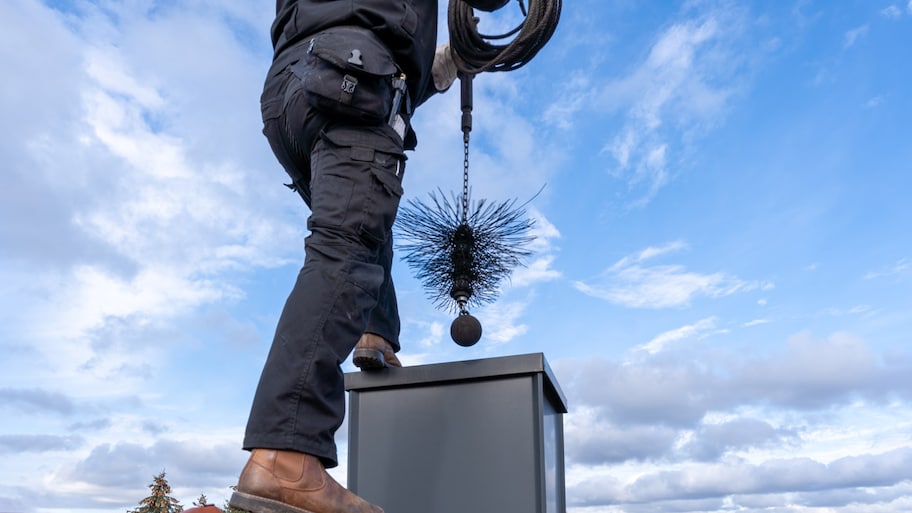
pixel 374 352
pixel 292 482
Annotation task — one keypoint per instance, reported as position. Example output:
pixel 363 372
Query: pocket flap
pixel 354 49
pixel 371 138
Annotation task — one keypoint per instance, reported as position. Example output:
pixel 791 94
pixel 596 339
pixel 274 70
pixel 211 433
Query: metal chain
pixel 465 179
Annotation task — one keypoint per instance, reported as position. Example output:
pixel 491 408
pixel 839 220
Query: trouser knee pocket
pixel 357 182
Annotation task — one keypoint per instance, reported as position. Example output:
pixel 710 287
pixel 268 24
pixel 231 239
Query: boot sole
pixel 369 359
pixel 254 504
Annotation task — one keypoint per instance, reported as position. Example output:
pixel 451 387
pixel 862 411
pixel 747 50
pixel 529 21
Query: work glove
pixel 443 70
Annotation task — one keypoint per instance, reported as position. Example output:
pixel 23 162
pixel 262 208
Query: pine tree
pixel 228 509
pixel 202 501
pixel 160 501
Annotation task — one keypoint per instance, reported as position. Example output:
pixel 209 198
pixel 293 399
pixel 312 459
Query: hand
pixel 444 68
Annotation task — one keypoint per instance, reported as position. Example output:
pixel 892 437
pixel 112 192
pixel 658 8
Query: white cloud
pixel 108 472
pixel 650 253
pixel 434 335
pixel 135 202
pixel 891 11
pixel 641 393
pixel 667 286
pixel 151 293
pixel 898 269
pixel 680 388
pixel 734 480
pixel 147 224
pixel 853 35
pixel 500 321
pixel 710 441
pixel 690 331
pixel 628 283
pixel 680 428
pixel 841 312
pixel 874 102
pixel 577 94
pixel 105 66
pixel 801 378
pixel 591 440
pixel 539 268
pixel 682 87
pixel 544 232
pixel 31 400
pixel 19 444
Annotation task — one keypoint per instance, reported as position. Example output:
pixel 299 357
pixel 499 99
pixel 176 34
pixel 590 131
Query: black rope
pixel 476 52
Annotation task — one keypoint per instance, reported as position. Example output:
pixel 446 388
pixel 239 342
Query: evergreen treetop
pixel 160 500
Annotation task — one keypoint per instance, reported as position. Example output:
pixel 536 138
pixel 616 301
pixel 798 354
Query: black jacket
pixel 407 27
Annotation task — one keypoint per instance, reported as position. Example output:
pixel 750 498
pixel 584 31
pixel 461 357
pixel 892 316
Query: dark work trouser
pixel 350 177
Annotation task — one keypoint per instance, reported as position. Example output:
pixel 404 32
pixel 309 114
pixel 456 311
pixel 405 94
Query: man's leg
pixel 355 189
pixel 378 346
pixel 354 193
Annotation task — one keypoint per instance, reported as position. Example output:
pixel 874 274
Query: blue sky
pixel 720 280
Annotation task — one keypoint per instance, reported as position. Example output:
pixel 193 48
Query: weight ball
pixel 465 330
pixel 487 5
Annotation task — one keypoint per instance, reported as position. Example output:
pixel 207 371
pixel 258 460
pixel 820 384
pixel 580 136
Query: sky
pixel 720 278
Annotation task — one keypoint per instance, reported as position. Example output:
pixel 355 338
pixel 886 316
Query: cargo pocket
pixel 374 162
pixel 347 72
pixel 332 188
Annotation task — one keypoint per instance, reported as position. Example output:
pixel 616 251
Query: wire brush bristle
pixel 427 235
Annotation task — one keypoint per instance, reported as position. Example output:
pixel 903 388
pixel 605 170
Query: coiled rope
pixel 476 52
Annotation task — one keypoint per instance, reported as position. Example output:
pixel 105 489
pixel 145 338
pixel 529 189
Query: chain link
pixel 465 179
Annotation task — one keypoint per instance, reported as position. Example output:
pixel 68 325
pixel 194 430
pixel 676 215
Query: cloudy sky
pixel 721 279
